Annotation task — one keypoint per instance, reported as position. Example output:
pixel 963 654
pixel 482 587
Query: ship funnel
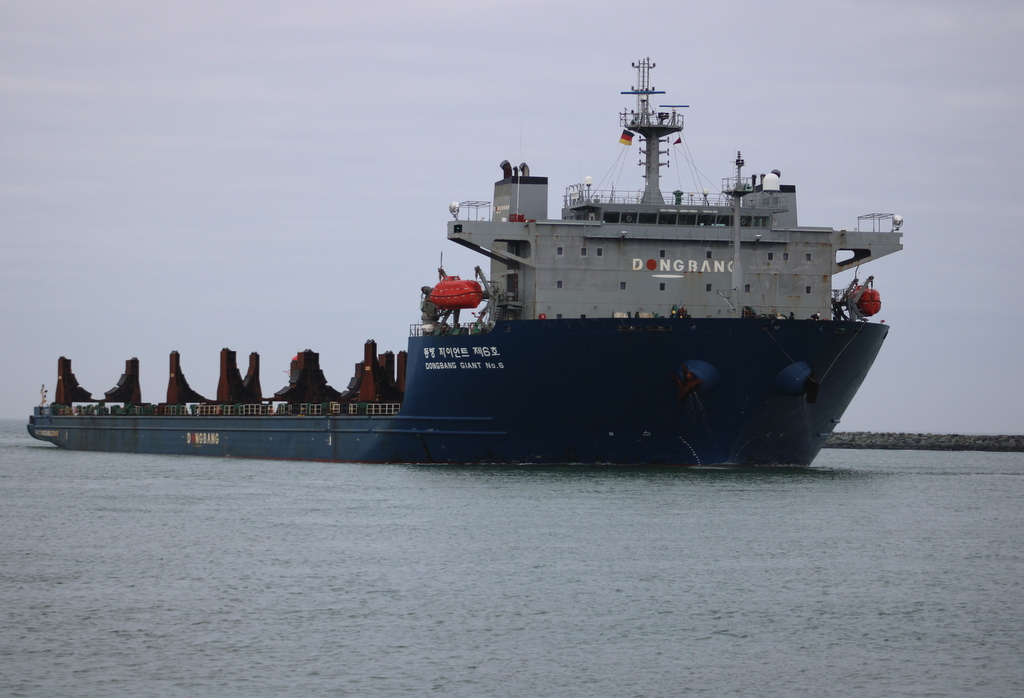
pixel 519 197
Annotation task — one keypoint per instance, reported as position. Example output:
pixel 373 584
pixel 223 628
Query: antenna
pixel 652 126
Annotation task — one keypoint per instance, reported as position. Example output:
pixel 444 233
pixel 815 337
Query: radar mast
pixel 652 126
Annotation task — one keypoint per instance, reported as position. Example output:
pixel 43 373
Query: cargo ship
pixel 639 327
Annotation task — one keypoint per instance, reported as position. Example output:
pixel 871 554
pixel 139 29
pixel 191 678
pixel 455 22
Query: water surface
pixel 873 573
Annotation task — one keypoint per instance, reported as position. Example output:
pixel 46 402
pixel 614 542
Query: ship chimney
pixel 520 197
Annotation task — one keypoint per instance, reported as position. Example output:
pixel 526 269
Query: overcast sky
pixel 275 176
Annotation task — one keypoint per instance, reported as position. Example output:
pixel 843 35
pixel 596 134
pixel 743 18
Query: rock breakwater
pixel 925 442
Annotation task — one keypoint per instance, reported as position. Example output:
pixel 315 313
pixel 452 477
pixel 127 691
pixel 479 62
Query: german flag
pixel 627 138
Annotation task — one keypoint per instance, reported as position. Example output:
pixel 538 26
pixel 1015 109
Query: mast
pixel 652 127
pixel 737 189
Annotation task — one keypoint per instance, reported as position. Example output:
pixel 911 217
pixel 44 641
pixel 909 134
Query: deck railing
pixel 310 409
pixel 580 194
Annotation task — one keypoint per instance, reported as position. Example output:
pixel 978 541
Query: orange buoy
pixel 453 293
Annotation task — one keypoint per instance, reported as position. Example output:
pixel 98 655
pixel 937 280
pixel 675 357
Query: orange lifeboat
pixel 453 293
pixel 869 303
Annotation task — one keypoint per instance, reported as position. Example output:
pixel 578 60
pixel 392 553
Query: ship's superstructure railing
pixel 472 211
pixel 632 119
pixel 474 327
pixel 581 194
pixel 879 222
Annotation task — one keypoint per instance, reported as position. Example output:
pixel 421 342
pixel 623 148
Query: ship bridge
pixel 611 254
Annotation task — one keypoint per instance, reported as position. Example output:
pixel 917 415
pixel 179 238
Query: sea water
pixel 872 573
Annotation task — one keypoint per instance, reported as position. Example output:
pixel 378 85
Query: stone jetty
pixel 925 442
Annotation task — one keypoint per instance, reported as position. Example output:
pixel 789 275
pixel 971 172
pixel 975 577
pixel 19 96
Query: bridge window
pixel 716 219
pixel 648 219
pixel 611 217
pixel 666 219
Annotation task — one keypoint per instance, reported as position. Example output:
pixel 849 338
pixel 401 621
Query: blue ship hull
pixel 588 391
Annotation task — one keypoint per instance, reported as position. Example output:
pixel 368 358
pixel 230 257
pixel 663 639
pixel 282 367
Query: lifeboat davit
pixel 869 303
pixel 453 293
